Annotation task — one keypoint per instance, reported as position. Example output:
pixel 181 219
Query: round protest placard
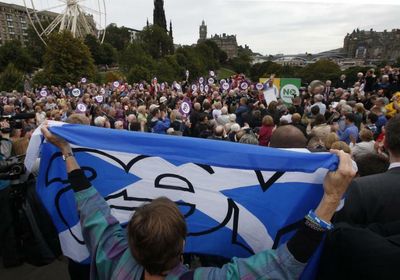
pixel 81 107
pixel 122 88
pixel 212 73
pixel 177 86
pixel 116 84
pixel 185 108
pixel 221 82
pixel 76 92
pixel 225 86
pixel 201 80
pixel 244 86
pixel 210 81
pixel 259 86
pixel 5 100
pixel 206 88
pixel 99 98
pixel 162 86
pixel 141 86
pixel 194 87
pixel 43 93
pixel 102 91
pixel 83 80
pixel 288 92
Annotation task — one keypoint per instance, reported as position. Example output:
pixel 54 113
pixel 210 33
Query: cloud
pixel 268 27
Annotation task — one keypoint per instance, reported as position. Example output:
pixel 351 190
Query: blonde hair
pixel 330 139
pixel 341 146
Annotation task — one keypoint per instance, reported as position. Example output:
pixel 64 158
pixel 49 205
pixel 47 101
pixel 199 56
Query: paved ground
pixel 55 271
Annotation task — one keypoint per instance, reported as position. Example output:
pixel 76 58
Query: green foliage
pixel 352 72
pixel 103 54
pixel 156 41
pixel 321 70
pixel 241 63
pixel 118 37
pixel 112 76
pixel 189 58
pixel 133 55
pixel 138 73
pixel 150 56
pixel 108 54
pixel 13 52
pixel 11 79
pixel 35 45
pixel 67 59
pixel 265 69
pixel 225 73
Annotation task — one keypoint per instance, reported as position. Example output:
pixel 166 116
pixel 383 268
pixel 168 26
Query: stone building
pixel 373 45
pixel 14 22
pixel 227 43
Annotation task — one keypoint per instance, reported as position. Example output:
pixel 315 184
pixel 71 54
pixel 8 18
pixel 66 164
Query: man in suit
pixel 367 244
pixel 342 83
pixel 376 198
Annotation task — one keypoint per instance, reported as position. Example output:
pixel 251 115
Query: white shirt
pixel 394 165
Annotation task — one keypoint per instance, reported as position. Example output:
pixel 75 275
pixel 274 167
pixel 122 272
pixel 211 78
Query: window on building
pixel 9 17
pixel 10 24
pixel 11 30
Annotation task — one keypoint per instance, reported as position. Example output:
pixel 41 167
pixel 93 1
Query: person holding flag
pixel 154 244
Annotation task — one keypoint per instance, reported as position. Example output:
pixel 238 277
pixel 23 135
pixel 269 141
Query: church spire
pixel 159 14
pixel 170 30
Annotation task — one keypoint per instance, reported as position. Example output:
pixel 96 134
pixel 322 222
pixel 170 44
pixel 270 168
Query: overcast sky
pixel 268 27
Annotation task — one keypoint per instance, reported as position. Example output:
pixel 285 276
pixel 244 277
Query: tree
pixel 320 70
pixel 11 79
pixel 108 54
pixel 67 64
pixel 242 63
pixel 35 45
pixel 135 55
pixel 156 41
pixel 103 54
pixel 138 73
pixel 94 46
pixel 188 58
pixel 12 52
pixel 118 37
pixel 264 69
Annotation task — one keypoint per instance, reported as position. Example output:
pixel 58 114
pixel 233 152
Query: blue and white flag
pixel 237 199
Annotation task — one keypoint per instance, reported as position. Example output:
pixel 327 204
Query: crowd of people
pixel 362 120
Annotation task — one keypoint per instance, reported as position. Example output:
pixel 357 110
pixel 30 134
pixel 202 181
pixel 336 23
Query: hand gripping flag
pixel 237 199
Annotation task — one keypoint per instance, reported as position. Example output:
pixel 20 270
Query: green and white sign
pixel 290 88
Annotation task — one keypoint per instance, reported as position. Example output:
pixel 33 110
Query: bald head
pixel 288 136
pixel 219 131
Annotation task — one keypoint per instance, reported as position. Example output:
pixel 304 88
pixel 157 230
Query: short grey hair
pixel 100 121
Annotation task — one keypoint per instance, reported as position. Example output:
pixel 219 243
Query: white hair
pixel 235 127
pixel 100 121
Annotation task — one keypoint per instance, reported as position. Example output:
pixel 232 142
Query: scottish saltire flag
pixel 237 199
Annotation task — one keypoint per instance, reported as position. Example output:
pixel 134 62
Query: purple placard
pixel 185 108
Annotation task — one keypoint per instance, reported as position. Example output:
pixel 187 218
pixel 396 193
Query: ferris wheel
pixel 80 17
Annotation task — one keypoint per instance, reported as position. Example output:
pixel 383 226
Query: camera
pixel 15 121
pixel 12 168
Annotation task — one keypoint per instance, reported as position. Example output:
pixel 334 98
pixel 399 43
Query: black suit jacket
pixel 372 199
pixel 361 253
